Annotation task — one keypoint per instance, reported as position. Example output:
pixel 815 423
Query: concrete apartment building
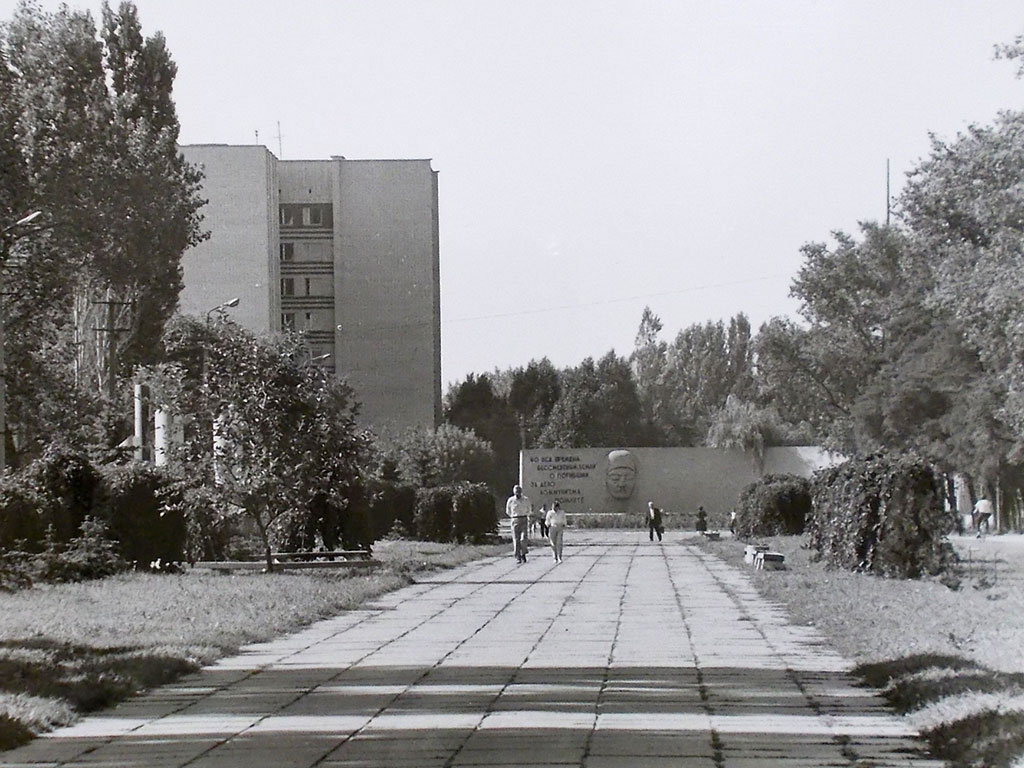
pixel 345 251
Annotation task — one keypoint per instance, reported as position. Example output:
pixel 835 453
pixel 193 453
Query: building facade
pixel 345 252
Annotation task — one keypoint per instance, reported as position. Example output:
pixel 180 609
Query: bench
pixel 344 554
pixel 769 561
pixel 352 559
pixel 750 552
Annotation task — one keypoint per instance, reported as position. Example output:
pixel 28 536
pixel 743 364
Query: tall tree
pixel 704 365
pixel 533 392
pixel 474 405
pixel 648 363
pixel 96 148
pixel 599 406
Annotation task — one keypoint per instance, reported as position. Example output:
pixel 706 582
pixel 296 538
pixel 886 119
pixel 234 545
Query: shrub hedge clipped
pixel 391 503
pixel 460 512
pixel 775 505
pixel 882 513
pixel 474 514
pixel 432 518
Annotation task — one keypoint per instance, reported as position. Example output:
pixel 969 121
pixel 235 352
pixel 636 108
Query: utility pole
pixel 888 197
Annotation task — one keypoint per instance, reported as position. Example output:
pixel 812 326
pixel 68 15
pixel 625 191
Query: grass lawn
pixel 72 648
pixel 949 654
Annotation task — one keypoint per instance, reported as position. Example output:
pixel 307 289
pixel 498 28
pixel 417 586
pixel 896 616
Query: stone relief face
pixel 620 477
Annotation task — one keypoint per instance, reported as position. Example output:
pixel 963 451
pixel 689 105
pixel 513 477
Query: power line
pixel 620 300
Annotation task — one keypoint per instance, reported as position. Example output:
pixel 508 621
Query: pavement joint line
pixel 840 740
pixel 426 673
pixel 371 614
pixel 717 747
pixel 515 670
pixel 611 656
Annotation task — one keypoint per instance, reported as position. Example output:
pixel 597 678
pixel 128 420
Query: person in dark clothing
pixel 702 520
pixel 654 521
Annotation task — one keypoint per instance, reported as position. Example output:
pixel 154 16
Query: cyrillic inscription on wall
pixel 560 475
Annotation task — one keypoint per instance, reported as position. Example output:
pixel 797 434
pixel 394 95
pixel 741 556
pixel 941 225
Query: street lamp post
pixel 221 307
pixel 5 242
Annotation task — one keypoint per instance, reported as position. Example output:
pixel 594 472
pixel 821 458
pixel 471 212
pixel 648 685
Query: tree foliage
pixel 89 139
pixel 270 435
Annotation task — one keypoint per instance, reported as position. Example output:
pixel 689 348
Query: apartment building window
pixel 287 286
pixel 290 215
pixel 287 251
pixel 307 323
pixel 287 321
pixel 308 286
pixel 313 215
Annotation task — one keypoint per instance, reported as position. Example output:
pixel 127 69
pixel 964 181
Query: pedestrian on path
pixel 702 520
pixel 518 510
pixel 543 520
pixel 654 525
pixel 982 515
pixel 555 524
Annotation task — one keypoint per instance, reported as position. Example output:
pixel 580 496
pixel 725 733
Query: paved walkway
pixel 627 654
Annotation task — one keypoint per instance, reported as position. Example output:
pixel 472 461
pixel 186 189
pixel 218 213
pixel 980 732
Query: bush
pixel 883 514
pixel 22 523
pixel 50 497
pixel 432 519
pixel 391 504
pixel 90 555
pixel 775 505
pixel 473 512
pixel 144 515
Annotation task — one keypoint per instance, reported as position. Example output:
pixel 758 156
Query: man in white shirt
pixel 518 510
pixel 982 514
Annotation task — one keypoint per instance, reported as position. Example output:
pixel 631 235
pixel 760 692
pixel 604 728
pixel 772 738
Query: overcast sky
pixel 595 156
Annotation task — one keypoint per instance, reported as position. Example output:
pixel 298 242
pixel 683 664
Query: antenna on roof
pixel 280 152
pixel 257 136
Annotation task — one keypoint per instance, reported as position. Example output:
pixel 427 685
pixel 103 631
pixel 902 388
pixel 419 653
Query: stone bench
pixel 750 552
pixel 352 559
pixel 769 561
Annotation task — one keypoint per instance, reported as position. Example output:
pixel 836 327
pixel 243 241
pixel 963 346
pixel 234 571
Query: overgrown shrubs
pixel 776 505
pixel 143 514
pixel 882 513
pixel 64 519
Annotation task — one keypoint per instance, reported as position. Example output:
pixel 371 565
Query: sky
pixel 596 156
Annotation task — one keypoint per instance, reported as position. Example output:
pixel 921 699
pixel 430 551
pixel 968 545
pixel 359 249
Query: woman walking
pixel 555 522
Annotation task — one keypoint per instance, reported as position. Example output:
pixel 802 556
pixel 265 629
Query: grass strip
pixel 69 649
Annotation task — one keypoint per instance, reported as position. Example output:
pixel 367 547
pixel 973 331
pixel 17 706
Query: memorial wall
pixel 675 479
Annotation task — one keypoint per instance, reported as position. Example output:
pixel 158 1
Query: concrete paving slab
pixel 627 654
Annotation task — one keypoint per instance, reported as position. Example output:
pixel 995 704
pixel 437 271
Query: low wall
pixel 676 479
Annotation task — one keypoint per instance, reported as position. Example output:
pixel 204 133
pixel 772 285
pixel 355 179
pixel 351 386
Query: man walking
pixel 654 521
pixel 518 510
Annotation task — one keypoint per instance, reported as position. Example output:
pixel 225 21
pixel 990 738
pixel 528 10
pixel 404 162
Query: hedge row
pixel 460 512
